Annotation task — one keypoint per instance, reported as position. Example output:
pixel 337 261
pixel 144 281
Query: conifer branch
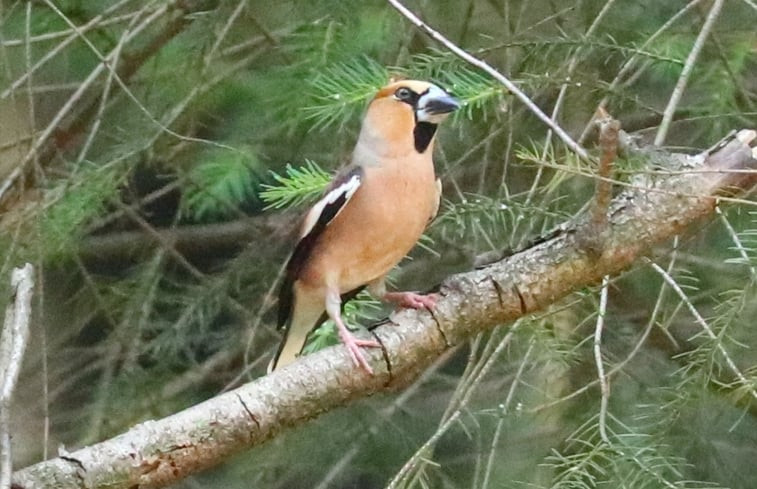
pixel 483 65
pixel 158 453
pixel 188 240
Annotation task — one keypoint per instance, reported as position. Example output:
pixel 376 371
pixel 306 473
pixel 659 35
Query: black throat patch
pixel 423 134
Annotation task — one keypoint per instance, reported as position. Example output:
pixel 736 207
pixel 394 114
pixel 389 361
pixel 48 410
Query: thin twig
pixel 51 54
pixel 466 387
pixel 70 103
pixel 631 62
pixel 608 142
pixel 116 55
pixel 483 65
pixel 572 64
pixel 106 63
pixel 615 369
pixel 594 233
pixel 737 242
pixel 97 22
pixel 375 428
pixel 13 340
pixel 604 385
pixel 634 186
pixel 224 32
pixel 706 327
pixel 29 85
pixel 683 79
pixel 504 409
pixel 44 370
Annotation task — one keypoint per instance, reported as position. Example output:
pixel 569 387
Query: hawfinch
pixel 372 214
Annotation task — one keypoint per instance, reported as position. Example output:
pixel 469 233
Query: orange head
pixel 403 116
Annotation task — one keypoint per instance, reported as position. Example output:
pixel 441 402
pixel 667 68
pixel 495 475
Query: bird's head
pixel 409 111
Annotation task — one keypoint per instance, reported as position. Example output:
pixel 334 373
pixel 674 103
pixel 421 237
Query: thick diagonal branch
pixel 157 453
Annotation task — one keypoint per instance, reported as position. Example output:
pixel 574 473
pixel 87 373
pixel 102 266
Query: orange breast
pixel 378 227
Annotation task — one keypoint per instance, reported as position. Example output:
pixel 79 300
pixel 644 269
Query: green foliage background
pixel 216 116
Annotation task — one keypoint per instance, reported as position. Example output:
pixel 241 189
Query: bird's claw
pixel 412 299
pixel 353 345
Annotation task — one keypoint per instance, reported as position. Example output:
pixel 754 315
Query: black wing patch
pixel 317 219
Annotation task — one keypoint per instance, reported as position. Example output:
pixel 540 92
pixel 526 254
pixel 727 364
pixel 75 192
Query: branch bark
pixel 13 339
pixel 651 211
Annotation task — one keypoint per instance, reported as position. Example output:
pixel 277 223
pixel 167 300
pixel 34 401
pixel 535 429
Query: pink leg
pixel 411 299
pixel 353 344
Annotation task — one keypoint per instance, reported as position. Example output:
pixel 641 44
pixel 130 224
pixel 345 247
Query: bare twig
pixel 504 409
pixel 604 384
pixel 737 242
pixel 631 355
pixel 572 64
pixel 483 65
pixel 161 39
pixel 13 339
pixel 97 22
pixel 189 239
pixel 104 98
pixel 51 54
pixel 683 79
pixel 608 143
pixel 53 125
pixel 399 403
pixel 466 388
pixel 746 383
pixel 629 64
pixel 29 85
pixel 132 62
pixel 593 235
pixel 224 31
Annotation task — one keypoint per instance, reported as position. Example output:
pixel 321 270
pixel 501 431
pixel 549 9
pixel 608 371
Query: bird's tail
pixel 304 318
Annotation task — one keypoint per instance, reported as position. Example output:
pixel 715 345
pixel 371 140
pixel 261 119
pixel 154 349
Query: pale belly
pixel 374 256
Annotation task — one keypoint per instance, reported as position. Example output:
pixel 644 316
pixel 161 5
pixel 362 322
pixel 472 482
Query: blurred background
pixel 155 157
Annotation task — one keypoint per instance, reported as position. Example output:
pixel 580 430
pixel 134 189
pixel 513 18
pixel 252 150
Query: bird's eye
pixel 403 93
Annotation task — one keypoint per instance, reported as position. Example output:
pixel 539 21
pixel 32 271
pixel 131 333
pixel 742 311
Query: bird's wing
pixel 438 199
pixel 341 190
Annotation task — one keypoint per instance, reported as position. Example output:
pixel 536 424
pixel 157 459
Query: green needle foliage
pixel 298 186
pixel 220 184
pixel 69 208
pixel 341 92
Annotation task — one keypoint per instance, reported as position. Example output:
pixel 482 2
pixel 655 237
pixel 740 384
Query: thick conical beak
pixel 435 104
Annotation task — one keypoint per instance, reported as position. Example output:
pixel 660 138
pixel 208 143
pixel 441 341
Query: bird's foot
pixel 354 344
pixel 412 299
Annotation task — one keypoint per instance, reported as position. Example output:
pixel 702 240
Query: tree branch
pixel 13 339
pixel 651 211
pixel 189 240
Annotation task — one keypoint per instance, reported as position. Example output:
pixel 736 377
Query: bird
pixel 370 216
